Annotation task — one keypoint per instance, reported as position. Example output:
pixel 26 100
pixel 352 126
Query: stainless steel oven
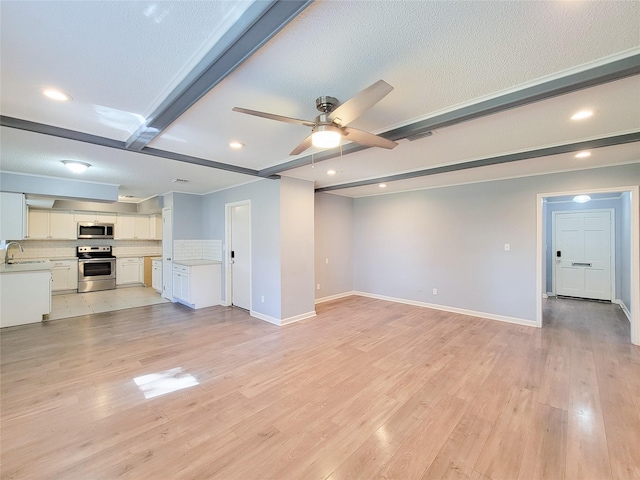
pixel 96 269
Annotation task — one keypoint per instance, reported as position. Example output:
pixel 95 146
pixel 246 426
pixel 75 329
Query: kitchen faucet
pixel 6 251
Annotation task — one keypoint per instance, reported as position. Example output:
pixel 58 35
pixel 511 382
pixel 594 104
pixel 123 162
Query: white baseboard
pixel 625 309
pixel 297 318
pixel 334 297
pixel 284 321
pixel 444 308
pixel 266 318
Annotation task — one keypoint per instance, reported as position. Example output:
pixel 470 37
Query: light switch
pixel 507 247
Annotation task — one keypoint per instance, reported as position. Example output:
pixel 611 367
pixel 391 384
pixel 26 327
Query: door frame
pixel 635 251
pixel 612 247
pixel 167 280
pixel 227 253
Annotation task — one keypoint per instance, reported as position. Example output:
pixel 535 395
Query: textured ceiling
pixel 119 60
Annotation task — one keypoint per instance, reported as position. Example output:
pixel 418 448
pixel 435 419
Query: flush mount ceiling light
pixel 57 95
pixel 583 155
pixel 331 172
pixel 581 198
pixel 236 145
pixel 76 167
pixel 325 136
pixel 582 114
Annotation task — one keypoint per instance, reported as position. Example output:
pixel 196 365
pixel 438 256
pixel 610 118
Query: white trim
pixel 444 308
pixel 226 262
pixel 635 252
pixel 612 246
pixel 297 318
pixel 334 297
pixel 624 308
pixel 266 318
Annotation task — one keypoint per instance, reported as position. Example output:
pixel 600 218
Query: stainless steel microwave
pixel 95 230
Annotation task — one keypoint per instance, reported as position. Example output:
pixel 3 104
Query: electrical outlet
pixel 262 298
pixel 435 291
pixel 318 286
pixel 326 261
pixel 507 247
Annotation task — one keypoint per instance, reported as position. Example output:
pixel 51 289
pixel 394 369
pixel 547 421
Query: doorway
pixel 583 250
pixel 632 223
pixel 238 254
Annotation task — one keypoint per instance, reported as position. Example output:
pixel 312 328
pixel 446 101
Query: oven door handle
pixel 94 260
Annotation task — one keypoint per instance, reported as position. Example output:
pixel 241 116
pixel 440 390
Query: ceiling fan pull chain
pixel 313 150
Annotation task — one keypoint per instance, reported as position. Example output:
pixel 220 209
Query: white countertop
pixel 25 266
pixel 193 263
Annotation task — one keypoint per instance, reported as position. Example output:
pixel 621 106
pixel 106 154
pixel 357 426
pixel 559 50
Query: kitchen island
pixel 25 292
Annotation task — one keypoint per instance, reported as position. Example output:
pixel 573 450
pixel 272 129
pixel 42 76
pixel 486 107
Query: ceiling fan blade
pixel 306 143
pixel 360 103
pixel 368 139
pixel 271 116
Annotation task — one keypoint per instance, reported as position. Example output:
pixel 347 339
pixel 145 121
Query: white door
pixel 583 254
pixel 167 251
pixel 240 255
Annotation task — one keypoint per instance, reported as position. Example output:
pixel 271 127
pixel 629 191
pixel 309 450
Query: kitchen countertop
pixel 193 263
pixel 25 267
pixel 136 255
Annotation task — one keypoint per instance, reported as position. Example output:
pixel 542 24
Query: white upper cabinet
pixel 51 225
pixel 12 216
pixel 95 217
pixel 142 230
pixel 125 228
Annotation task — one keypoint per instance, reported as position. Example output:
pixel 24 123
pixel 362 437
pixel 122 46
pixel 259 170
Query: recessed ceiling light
pixel 583 155
pixel 382 185
pixel 581 198
pixel 582 114
pixel 76 167
pixel 57 95
pixel 236 145
pixel 331 172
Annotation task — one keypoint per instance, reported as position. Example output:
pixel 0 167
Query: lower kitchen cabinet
pixel 197 286
pixel 129 271
pixel 156 275
pixel 64 275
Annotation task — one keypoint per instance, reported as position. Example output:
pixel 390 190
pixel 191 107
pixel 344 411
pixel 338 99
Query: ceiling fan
pixel 332 123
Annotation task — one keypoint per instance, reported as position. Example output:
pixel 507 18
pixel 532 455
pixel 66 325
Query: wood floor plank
pixel 366 389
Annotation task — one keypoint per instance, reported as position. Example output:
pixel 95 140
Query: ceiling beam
pixel 260 22
pixel 615 70
pixel 512 157
pixel 67 134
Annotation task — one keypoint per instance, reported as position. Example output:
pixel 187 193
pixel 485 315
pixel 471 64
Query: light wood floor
pixel 367 389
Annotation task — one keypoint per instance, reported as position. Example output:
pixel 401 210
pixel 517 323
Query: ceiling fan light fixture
pixel 325 136
pixel 75 166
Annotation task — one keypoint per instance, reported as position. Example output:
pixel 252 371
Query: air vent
pixel 180 180
pixel 418 136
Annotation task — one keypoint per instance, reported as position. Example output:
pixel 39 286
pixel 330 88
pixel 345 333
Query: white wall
pixel 624 294
pixel 333 243
pixel 453 239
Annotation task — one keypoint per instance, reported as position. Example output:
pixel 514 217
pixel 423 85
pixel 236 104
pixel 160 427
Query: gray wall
pixel 265 238
pixel 333 241
pixel 624 293
pixel 296 246
pixel 453 239
pixel 187 216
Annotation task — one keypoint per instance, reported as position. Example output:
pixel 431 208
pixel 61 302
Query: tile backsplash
pixel 67 248
pixel 197 250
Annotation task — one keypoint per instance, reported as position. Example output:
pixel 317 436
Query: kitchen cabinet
pixel 13 212
pixel 133 227
pixel 156 275
pixel 51 225
pixel 64 275
pixel 95 217
pixel 25 293
pixel 155 227
pixel 197 284
pixel 129 271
